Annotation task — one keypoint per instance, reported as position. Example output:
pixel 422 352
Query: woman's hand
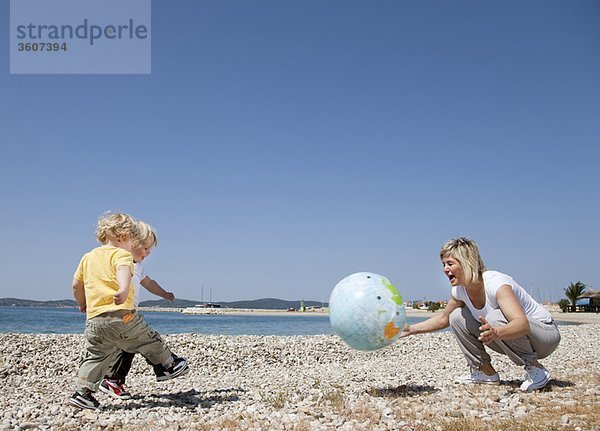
pixel 405 332
pixel 489 334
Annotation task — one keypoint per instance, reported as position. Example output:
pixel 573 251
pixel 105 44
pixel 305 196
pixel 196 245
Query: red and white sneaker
pixel 114 389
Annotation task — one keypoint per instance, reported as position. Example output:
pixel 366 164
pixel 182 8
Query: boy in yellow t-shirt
pixel 102 289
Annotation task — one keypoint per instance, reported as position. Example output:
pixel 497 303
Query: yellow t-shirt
pixel 98 272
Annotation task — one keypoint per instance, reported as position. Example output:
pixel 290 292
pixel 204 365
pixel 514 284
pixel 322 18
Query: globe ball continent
pixel 367 311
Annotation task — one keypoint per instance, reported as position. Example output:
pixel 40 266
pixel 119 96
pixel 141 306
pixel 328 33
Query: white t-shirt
pixel 492 280
pixel 136 280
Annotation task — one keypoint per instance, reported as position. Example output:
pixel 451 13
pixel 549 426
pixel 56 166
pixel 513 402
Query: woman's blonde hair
pixel 115 226
pixel 466 252
pixel 146 236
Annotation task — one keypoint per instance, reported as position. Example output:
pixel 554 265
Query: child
pixel 102 288
pixel 114 383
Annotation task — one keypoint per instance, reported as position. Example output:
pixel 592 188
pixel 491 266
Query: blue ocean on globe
pixel 367 311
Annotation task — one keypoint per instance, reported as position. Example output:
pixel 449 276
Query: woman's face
pixel 453 271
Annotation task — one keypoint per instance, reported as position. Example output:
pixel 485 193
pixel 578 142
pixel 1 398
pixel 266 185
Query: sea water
pixel 71 321
pixel 46 320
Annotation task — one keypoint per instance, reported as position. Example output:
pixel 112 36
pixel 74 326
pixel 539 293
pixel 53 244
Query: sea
pixel 46 320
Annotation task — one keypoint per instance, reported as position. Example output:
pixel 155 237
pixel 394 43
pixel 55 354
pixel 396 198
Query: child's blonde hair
pixel 146 236
pixel 115 226
pixel 465 251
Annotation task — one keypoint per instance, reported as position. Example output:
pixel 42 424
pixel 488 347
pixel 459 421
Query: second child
pixel 114 383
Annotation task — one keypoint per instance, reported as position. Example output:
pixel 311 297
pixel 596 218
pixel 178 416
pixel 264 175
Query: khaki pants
pixel 105 336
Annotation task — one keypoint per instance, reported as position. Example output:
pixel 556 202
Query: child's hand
pixel 169 296
pixel 120 297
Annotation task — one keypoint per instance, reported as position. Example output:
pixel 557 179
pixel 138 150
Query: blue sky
pixel 279 146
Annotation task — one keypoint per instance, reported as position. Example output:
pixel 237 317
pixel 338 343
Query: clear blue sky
pixel 278 146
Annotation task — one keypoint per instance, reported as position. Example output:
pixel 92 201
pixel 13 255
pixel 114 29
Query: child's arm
pixel 124 280
pixel 79 294
pixel 153 287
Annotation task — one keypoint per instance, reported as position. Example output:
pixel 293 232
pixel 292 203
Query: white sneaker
pixel 535 378
pixel 477 376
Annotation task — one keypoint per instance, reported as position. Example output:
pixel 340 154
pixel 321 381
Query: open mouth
pixel 451 277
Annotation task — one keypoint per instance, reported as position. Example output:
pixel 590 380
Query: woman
pixel 488 308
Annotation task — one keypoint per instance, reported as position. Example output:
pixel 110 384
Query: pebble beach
pixel 304 383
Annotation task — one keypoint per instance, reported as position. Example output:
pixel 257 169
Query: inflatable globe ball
pixel 366 311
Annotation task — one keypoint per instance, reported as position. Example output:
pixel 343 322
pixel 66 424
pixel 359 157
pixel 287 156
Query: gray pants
pixel 543 338
pixel 106 336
